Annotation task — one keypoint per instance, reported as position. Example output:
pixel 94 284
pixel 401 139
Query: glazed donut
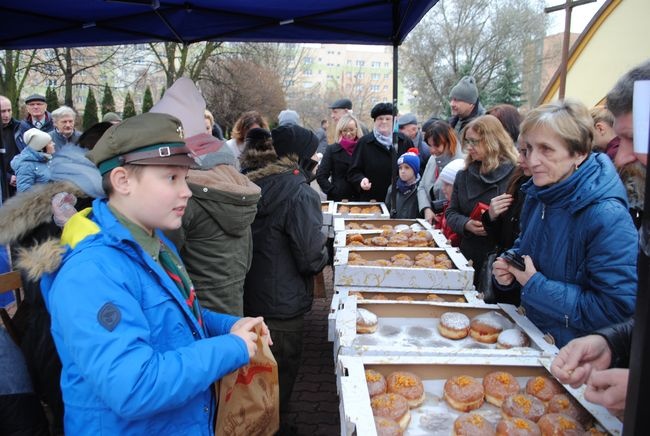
pixel 425 263
pixel 366 321
pixel 378 241
pixel 344 209
pixel 566 405
pixel 405 263
pixel 372 209
pixel 453 325
pixel 498 385
pixel 517 427
pixel 512 338
pixel 441 258
pixel 391 406
pixel 353 237
pixel 434 297
pixel 399 256
pixel 444 264
pixel 380 262
pixel 523 406
pixel 472 424
pixel 380 297
pixel 407 385
pixel 387 427
pixel 543 388
pixel 424 255
pixel 463 393
pixel 404 298
pixel 398 241
pixel 417 241
pixel 376 382
pixel 356 210
pixel 485 328
pixel 557 424
pixel 387 227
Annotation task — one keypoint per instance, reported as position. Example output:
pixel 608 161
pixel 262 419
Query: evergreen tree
pixel 90 110
pixel 51 99
pixel 147 100
pixel 108 103
pixel 507 88
pixel 129 107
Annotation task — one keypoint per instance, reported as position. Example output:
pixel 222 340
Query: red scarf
pixel 348 145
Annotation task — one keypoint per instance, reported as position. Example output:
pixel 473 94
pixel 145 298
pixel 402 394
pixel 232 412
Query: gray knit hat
pixel 288 116
pixel 465 90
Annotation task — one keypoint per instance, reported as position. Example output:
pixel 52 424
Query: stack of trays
pixel 360 209
pixel 327 208
pixel 434 415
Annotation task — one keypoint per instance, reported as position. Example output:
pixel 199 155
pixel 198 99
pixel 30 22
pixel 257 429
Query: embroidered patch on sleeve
pixel 109 316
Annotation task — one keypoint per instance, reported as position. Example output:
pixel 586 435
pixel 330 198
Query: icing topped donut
pixel 473 424
pixel 543 388
pixel 376 382
pixel 463 393
pixel 407 385
pixel 498 385
pixel 512 338
pixel 523 406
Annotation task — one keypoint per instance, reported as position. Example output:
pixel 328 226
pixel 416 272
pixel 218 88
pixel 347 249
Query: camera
pixel 514 259
pixel 438 206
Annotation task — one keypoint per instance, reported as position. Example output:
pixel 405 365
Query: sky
pixel 580 16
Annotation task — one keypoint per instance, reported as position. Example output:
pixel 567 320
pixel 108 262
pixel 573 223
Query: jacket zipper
pixel 566 320
pixel 543 210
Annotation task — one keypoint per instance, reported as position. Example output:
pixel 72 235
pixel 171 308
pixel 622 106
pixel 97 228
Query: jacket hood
pixel 229 197
pixel 70 163
pixel 595 180
pixel 278 181
pixel 28 155
pixel 252 159
pixel 492 178
pixel 27 210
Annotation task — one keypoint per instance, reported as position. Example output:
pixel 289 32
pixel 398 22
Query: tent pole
pixel 637 420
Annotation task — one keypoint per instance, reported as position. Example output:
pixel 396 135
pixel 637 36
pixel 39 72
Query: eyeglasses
pixel 468 142
pixel 348 131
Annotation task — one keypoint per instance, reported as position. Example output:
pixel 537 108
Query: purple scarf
pixel 348 145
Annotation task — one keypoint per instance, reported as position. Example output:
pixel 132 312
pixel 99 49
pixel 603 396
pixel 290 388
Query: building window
pixel 360 63
pixel 359 76
pixel 375 76
pixel 375 64
pixel 308 60
pixel 307 73
pixel 374 88
pixel 348 62
pixel 358 88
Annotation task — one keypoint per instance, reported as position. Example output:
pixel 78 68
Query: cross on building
pixel 567 7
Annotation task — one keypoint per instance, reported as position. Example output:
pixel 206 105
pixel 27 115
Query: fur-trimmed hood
pixel 271 167
pixel 27 210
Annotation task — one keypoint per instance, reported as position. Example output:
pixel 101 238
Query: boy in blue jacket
pixel 139 355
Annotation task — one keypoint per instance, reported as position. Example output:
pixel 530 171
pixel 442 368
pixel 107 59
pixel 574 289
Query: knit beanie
pixel 465 90
pixel 288 116
pixel 448 173
pixel 36 139
pixel 411 159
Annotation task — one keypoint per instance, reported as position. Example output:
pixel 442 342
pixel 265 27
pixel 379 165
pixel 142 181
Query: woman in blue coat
pixel 577 238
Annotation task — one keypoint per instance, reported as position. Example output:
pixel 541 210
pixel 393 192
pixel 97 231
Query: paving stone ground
pixel 314 406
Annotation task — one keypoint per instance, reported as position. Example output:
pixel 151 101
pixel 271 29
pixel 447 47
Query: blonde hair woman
pixel 491 158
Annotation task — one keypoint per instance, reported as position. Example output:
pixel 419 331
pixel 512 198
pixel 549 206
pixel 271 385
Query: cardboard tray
pixel 419 296
pixel 327 207
pixel 411 329
pixel 340 222
pixel 340 240
pixel 383 214
pixel 459 278
pixel 356 413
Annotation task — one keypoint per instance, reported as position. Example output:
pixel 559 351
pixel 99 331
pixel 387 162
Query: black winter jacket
pixel 332 174
pixel 406 204
pixel 288 246
pixel 619 338
pixel 374 161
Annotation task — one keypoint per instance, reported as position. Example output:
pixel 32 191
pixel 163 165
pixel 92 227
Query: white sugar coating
pixel 512 337
pixel 401 227
pixel 366 317
pixel 455 320
pixel 416 227
pixel 494 320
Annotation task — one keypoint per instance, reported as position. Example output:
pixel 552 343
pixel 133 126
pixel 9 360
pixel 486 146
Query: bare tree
pixel 474 37
pixel 15 66
pixel 177 60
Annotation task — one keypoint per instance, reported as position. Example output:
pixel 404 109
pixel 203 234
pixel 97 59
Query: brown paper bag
pixel 249 398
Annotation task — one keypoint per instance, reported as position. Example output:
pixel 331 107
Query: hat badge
pixel 179 130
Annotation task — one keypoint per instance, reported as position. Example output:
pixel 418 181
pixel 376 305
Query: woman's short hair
pixel 569 119
pixel 245 122
pixel 343 122
pixel 208 116
pixel 510 118
pixel 496 142
pixel 441 132
pixel 63 111
pixel 600 114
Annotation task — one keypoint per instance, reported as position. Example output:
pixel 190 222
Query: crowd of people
pixel 191 244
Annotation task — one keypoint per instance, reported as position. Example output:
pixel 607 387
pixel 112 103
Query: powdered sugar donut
pixel 366 321
pixel 454 325
pixel 512 338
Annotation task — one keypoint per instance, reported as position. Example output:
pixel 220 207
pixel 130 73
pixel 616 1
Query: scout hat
pixel 147 139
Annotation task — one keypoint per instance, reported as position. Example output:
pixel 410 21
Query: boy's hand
pixel 245 329
pixel 365 184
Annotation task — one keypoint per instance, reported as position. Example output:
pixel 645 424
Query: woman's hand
pixel 499 205
pixel 501 272
pixel 476 227
pixel 429 215
pixel 365 184
pixel 523 276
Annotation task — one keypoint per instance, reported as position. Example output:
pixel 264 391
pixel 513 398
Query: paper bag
pixel 249 398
